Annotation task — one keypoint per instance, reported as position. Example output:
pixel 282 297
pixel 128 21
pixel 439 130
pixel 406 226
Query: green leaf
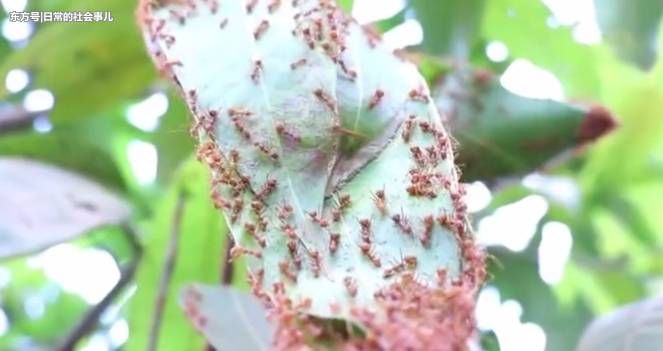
pixel 43 205
pixel 522 26
pixel 584 232
pixel 431 67
pixel 517 278
pixel 622 179
pixel 504 196
pixel 66 148
pixel 617 242
pixel 346 5
pixel 4 44
pixel 233 320
pixel 92 65
pixel 502 134
pixel 644 201
pixel 630 27
pixel 199 257
pixel 450 26
pixel 489 341
pixel 391 22
pixel 623 287
pixel 635 327
pixel 172 139
pixel 311 130
pixel 62 309
pixel 629 156
pixel 631 217
pixel 53 5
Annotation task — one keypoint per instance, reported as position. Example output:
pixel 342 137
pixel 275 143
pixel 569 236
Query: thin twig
pixel 89 321
pixel 91 318
pixel 167 274
pixel 132 237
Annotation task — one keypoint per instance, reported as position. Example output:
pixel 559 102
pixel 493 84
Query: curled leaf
pixel 328 157
pixel 502 134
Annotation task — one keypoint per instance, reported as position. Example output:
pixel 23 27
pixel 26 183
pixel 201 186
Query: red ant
pixel 253 232
pixel 365 230
pixel 402 223
pixel 325 99
pixel 285 211
pixel 178 16
pixel 298 63
pixel 375 100
pixel 380 201
pixel 292 248
pixel 315 262
pixel 238 112
pixel 274 5
pixel 428 230
pixel 407 129
pixel 418 95
pixel 284 267
pixel 368 251
pixel 267 189
pixel 238 205
pixel 345 201
pixel 238 251
pixel 250 5
pixel 336 215
pixel 262 28
pixel 223 23
pixel 350 285
pixel 265 150
pixel 442 277
pixel 257 68
pixel 409 262
pixel 334 241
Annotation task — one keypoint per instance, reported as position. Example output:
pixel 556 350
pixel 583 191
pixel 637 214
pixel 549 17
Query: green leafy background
pixel 97 70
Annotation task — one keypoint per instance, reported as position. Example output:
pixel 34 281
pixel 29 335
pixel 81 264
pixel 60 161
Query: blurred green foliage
pixel 95 71
pixel 201 232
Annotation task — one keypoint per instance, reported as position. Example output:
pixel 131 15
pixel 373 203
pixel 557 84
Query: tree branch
pixel 167 274
pixel 91 318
